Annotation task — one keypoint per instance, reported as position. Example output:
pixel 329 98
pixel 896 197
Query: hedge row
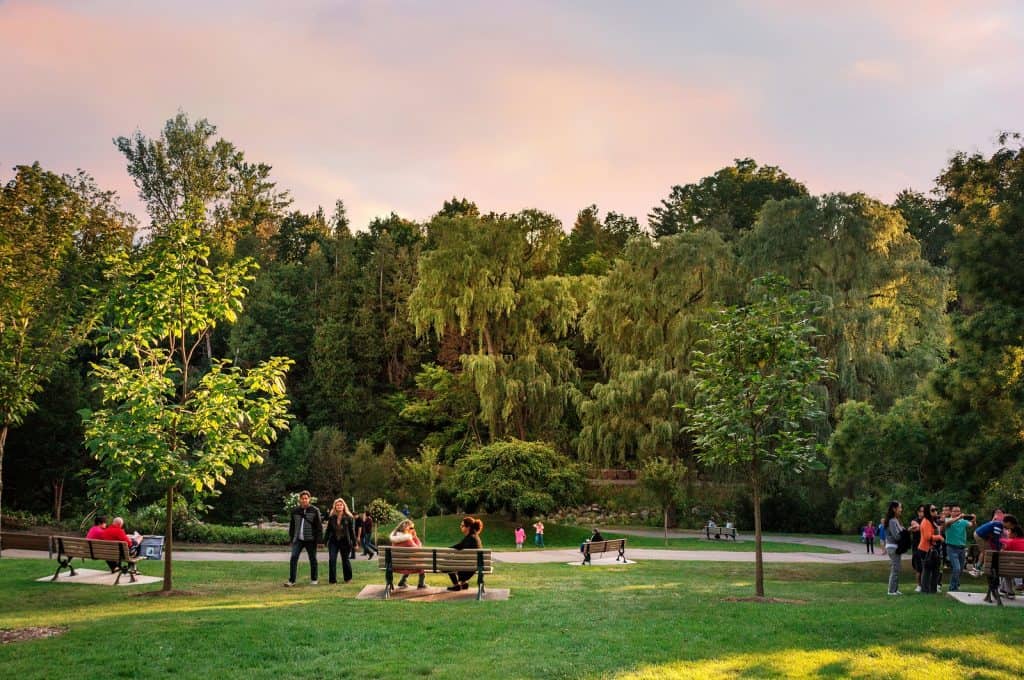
pixel 219 533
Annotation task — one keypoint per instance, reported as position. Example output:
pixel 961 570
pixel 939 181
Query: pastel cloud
pixel 397 106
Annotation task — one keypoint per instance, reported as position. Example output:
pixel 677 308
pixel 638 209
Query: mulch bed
pixel 31 633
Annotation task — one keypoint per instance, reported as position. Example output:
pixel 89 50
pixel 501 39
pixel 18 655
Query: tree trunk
pixel 3 442
pixel 424 532
pixel 168 540
pixel 666 524
pixel 758 557
pixel 58 496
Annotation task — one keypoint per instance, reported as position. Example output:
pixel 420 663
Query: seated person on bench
pixel 115 532
pixel 594 538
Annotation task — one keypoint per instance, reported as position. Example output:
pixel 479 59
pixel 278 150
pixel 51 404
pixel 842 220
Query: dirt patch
pixel 168 593
pixel 766 600
pixel 31 633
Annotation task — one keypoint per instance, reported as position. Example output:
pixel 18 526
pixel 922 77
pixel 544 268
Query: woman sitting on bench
pixel 471 529
pixel 404 536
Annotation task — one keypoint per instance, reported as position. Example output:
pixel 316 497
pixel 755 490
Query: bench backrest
pixel 605 546
pixel 20 541
pixel 73 546
pixel 1010 563
pixel 435 559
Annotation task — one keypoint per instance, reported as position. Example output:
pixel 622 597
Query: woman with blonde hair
pixel 404 536
pixel 340 538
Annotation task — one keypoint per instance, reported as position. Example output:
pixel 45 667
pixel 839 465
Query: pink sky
pixel 555 105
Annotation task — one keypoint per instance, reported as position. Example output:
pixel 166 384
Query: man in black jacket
pixel 305 531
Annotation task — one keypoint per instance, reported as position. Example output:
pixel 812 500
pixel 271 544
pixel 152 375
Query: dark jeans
pixel 462 576
pixel 956 555
pixel 870 543
pixel 368 547
pixel 333 550
pixel 931 568
pixel 297 548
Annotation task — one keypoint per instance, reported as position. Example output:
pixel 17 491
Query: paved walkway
pixel 854 553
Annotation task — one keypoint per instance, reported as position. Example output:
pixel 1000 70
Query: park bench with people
pixel 1000 564
pixel 717 533
pixel 598 547
pixel 115 552
pixel 434 560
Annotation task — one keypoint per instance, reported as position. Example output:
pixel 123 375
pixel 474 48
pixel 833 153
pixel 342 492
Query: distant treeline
pixel 474 327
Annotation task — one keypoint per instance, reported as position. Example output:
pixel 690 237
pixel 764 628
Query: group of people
pixel 343 534
pixel 935 537
pixel 114 531
pixel 344 531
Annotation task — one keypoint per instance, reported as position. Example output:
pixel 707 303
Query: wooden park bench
pixel 434 560
pixel 70 547
pixel 720 532
pixel 22 541
pixel 1000 564
pixel 591 547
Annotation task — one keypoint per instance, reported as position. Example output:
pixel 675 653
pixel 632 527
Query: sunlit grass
pixel 648 620
pixel 950 656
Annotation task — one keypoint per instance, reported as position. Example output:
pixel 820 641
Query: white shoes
pixel 896 593
pixel 917 589
pixel 289 584
pixel 314 583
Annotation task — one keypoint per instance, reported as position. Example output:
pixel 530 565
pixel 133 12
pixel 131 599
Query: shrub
pixel 521 478
pixel 197 532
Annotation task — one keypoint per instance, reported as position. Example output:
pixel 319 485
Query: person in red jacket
pixel 115 532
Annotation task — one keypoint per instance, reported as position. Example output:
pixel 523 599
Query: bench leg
pixel 63 564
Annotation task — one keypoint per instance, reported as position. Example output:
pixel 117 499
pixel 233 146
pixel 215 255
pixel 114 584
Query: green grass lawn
pixel 648 620
pixel 499 535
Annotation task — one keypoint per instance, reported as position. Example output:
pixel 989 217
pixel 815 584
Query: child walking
pixel 520 537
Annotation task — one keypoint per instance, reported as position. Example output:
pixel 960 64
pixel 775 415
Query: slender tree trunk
pixel 665 513
pixel 3 442
pixel 168 540
pixel 424 526
pixel 58 497
pixel 758 557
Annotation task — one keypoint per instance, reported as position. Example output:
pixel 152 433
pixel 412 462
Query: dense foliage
pixel 454 334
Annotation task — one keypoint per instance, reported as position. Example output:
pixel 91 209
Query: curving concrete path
pixel 853 553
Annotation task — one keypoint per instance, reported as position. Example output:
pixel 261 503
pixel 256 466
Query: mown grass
pixel 499 534
pixel 648 620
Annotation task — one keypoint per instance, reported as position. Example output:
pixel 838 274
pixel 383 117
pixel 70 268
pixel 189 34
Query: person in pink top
pixel 98 526
pixel 869 537
pixel 520 537
pixel 404 536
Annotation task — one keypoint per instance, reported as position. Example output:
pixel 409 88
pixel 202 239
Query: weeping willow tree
pixel 644 321
pixel 491 279
pixel 884 326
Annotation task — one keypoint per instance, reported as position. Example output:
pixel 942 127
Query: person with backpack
pixel 897 541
